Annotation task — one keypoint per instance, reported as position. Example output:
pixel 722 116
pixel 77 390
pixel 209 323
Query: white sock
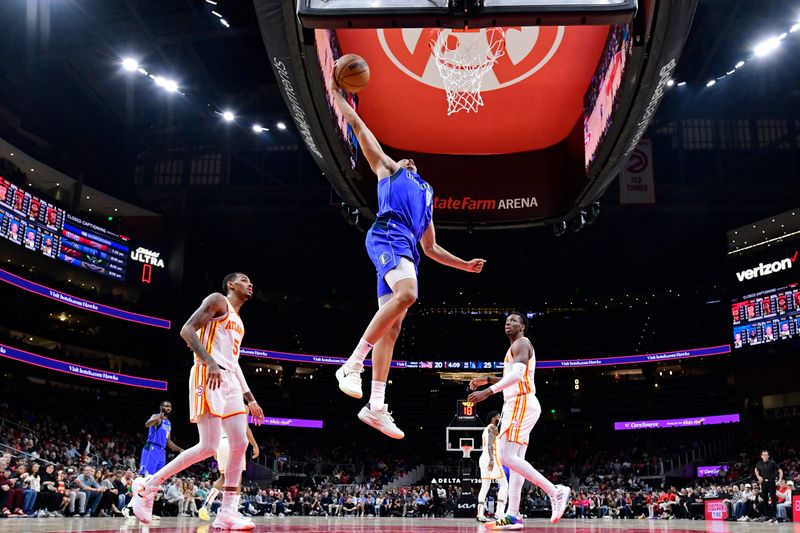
pixel 378 396
pixel 228 502
pixel 356 360
pixel 212 495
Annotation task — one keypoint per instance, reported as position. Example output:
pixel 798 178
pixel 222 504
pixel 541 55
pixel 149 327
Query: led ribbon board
pixel 287 422
pixel 494 365
pixel 79 370
pixel 80 303
pixel 677 422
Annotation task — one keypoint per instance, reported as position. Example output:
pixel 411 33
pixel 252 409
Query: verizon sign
pixel 765 269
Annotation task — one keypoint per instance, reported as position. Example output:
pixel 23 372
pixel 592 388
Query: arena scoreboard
pixel 42 227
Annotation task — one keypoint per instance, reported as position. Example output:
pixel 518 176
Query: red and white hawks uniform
pixel 521 409
pixel 222 338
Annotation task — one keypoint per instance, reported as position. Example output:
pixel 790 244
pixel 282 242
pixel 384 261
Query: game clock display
pixel 465 411
pixel 766 316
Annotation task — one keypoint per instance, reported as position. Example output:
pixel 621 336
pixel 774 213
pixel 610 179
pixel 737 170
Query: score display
pixel 91 247
pixel 766 316
pixel 42 227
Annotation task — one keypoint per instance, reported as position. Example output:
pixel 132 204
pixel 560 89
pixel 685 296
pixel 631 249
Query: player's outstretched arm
pixel 212 307
pixel 433 250
pixel 523 352
pixel 381 164
pixel 172 446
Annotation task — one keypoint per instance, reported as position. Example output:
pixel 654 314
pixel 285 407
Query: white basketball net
pixel 463 67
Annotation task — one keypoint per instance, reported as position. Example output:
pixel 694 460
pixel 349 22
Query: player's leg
pixel 403 281
pixel 515 489
pixel 502 495
pixel 376 413
pixel 399 285
pixel 144 460
pixel 486 484
pixel 235 428
pixel 512 455
pixel 209 428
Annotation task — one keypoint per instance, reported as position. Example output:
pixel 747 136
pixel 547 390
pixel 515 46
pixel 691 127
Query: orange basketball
pixel 351 72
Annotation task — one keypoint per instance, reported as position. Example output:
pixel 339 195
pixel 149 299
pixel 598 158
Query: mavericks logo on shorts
pixel 385 258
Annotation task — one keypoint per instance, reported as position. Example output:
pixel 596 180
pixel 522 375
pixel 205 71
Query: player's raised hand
pixel 256 412
pixel 479 396
pixel 475 266
pixel 214 377
pixel 477 382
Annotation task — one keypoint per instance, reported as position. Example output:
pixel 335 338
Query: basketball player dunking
pixel 521 411
pixel 405 214
pixel 491 469
pixel 216 387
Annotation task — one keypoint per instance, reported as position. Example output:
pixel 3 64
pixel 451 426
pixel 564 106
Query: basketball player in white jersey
pixel 491 469
pixel 521 410
pixel 222 455
pixel 216 388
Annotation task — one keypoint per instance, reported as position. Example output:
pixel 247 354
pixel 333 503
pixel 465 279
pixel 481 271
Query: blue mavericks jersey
pixel 159 433
pixel 406 201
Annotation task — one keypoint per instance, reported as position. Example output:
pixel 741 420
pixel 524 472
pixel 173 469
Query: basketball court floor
pixel 384 525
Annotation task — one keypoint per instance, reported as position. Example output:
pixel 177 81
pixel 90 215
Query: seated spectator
pixel 11 498
pixel 349 507
pixel 784 498
pixel 748 500
pixel 87 483
pixel 77 498
pixel 175 496
pixel 50 499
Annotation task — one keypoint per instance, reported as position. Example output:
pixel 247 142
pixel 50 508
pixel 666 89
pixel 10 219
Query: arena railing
pixel 30 457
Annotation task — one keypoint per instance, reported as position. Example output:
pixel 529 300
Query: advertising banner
pixel 79 370
pixel 80 303
pixel 636 183
pixel 677 422
pixel 715 510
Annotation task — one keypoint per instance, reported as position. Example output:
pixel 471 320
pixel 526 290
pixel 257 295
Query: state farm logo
pixel 765 269
pixel 467 203
pixel 527 50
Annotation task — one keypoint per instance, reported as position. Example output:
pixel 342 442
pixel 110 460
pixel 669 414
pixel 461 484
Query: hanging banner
pixel 636 184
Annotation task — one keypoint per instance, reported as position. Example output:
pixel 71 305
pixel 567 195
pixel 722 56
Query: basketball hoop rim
pixel 467 450
pixel 489 62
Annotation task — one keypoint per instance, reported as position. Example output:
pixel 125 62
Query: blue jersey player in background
pixel 404 221
pixel 158 439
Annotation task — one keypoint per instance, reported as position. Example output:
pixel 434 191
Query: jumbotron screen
pixel 42 227
pixel 765 303
pixel 766 316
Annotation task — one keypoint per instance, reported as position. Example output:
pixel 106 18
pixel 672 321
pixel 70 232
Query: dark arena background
pixel 628 170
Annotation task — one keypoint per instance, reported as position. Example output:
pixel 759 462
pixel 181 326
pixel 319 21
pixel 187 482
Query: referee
pixel 768 474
